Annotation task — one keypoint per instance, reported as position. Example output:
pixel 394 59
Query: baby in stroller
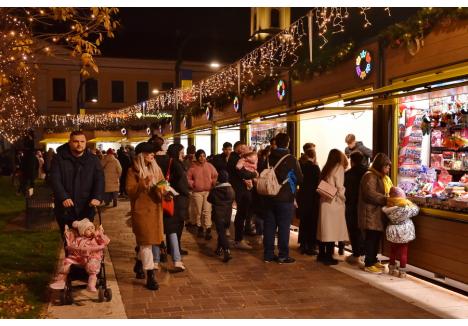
pixel 84 247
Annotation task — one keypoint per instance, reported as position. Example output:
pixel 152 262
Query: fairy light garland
pixel 259 65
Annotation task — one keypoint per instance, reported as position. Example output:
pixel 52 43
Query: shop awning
pixel 107 140
pixel 423 82
pixel 137 139
pixel 54 140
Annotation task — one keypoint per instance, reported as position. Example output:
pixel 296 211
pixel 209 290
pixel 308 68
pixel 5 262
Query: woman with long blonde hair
pixel 332 221
pixel 146 207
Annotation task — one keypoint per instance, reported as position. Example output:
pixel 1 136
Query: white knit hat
pixel 82 225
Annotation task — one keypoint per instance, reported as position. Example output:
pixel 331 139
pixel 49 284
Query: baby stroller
pixel 77 272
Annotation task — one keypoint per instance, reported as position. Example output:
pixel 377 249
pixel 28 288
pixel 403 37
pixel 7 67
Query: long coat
pixel 308 201
pixel 371 200
pixel 332 222
pixel 77 178
pixel 178 181
pixel 147 213
pixel 112 172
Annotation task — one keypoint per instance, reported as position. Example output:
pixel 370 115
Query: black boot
pixel 114 202
pixel 219 251
pixel 138 270
pixel 208 234
pixel 341 245
pixel 321 253
pixel 200 232
pixel 151 283
pixel 227 255
pixel 329 249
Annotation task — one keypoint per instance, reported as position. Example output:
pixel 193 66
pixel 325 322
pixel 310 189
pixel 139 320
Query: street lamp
pixel 155 91
pixel 215 65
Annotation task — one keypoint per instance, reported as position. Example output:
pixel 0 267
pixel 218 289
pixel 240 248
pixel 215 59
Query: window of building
pixel 59 89
pixel 167 86
pixel 117 91
pixel 142 91
pixel 91 89
pixel 275 18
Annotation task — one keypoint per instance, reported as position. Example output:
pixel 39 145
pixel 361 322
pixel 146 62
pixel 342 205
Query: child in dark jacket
pixel 221 197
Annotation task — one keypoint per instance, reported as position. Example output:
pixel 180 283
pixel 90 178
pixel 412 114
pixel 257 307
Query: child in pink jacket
pixel 84 249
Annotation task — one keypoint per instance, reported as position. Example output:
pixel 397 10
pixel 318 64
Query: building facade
pixel 120 82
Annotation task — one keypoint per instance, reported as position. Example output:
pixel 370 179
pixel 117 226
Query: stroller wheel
pixel 101 294
pixel 66 297
pixel 108 294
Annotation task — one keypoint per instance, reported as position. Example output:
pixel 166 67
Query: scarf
pixel 385 179
pixel 398 201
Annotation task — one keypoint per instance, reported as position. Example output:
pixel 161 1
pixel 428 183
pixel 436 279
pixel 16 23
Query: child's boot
pixel 59 283
pixel 402 273
pixel 227 255
pixel 392 270
pixel 92 283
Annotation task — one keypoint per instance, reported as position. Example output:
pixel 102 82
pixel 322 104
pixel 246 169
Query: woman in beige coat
pixel 146 208
pixel 112 171
pixel 332 222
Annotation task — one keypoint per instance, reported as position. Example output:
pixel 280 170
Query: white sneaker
pixel 179 266
pixel 156 266
pixel 242 245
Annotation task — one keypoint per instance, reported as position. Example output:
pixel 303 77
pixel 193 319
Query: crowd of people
pixel 170 192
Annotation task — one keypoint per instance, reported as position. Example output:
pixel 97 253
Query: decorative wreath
pixel 123 131
pixel 363 64
pixel 236 104
pixel 170 125
pixel 208 113
pixel 281 90
pixel 184 121
pixel 148 131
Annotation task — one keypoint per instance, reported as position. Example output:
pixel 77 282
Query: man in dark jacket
pixel 243 195
pixel 351 183
pixel 77 180
pixel 354 145
pixel 220 161
pixel 280 208
pixel 125 162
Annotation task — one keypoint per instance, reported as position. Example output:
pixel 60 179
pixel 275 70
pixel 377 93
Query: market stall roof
pixel 107 139
pixel 446 77
pixel 53 140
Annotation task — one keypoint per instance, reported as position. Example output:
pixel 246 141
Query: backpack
pixel 267 183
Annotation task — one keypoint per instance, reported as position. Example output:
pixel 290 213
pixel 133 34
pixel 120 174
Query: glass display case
pixel 433 149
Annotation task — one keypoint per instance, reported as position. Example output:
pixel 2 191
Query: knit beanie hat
pixel 397 192
pixel 82 225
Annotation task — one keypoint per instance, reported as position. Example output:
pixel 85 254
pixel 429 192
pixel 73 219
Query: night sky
pixel 210 33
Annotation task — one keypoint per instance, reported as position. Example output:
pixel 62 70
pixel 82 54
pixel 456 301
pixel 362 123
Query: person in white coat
pixel 332 222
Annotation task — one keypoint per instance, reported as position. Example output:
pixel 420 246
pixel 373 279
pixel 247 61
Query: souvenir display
pixel 433 152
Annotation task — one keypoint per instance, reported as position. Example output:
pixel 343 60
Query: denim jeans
pixel 175 253
pixel 277 215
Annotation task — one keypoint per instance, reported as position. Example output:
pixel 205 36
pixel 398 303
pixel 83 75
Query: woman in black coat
pixel 308 201
pixel 178 180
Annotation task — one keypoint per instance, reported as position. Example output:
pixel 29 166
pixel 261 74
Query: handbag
pixel 326 190
pixel 168 202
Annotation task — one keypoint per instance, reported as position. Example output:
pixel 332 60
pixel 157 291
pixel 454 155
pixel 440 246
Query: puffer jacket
pixel 371 200
pixel 221 198
pixel 401 227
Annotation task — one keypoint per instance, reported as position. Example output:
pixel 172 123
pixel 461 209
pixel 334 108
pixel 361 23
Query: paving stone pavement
pixel 246 287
